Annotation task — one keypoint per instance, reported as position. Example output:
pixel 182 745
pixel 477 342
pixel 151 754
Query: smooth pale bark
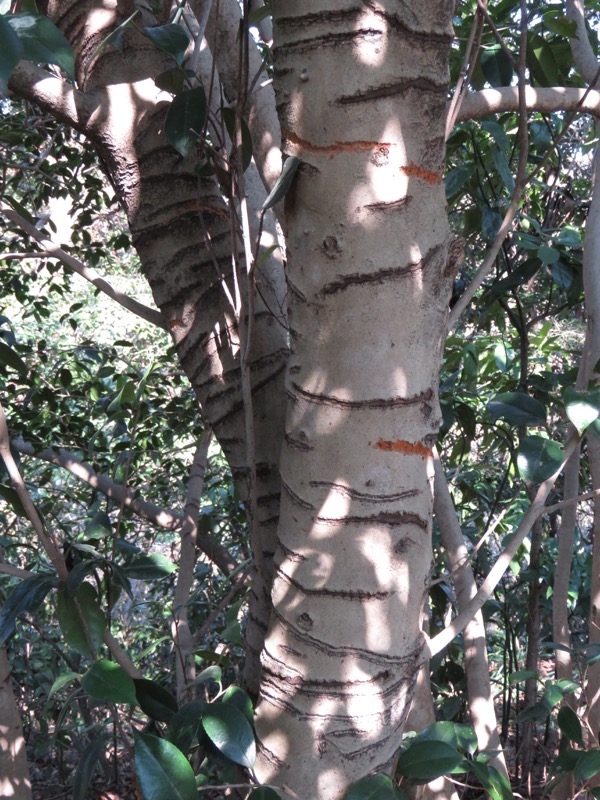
pixel 361 92
pixel 14 772
pixel 479 690
pixel 182 231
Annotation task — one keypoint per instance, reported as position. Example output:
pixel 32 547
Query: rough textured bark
pixel 182 232
pixel 361 91
pixel 14 771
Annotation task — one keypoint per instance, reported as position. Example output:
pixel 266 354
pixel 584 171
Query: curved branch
pixel 142 508
pixel 581 47
pixel 52 94
pixel 506 98
pixel 151 315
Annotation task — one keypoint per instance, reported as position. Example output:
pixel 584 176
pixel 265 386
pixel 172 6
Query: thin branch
pixel 8 569
pixel 535 510
pixel 521 181
pixel 546 100
pixel 51 249
pixel 466 72
pixel 165 518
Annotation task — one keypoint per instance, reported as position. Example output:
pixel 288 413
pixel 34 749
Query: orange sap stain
pixel 408 448
pixel 415 171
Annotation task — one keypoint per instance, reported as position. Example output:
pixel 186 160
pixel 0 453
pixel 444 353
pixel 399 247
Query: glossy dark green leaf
pixel 87 765
pixel 212 673
pixel 172 80
pixel 42 42
pixel 588 764
pixel 11 359
pixel 99 526
pixel 171 38
pixel 522 274
pixel 457 178
pixel 230 732
pixel 538 458
pixel 108 681
pixel 558 23
pixel 283 182
pixel 183 726
pixel 548 255
pixel 81 620
pixel 492 781
pixel 185 120
pixel 521 675
pixel 149 568
pixel 438 732
pixel 503 168
pixel 552 696
pixel 25 598
pixel 11 52
pixel 162 770
pixel 497 66
pixel 537 712
pixel 570 725
pixel 563 275
pixel 374 787
pixel 582 407
pixel 425 761
pixel 79 573
pixel 518 408
pixel 12 497
pixel 490 223
pixel 238 698
pixel 155 700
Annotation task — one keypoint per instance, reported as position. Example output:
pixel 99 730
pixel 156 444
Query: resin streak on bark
pixel 361 91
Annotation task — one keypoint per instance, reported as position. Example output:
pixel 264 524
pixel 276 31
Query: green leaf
pixel 438 732
pixel 87 766
pixel 108 681
pixel 537 712
pixel 492 781
pixel 503 169
pixel 230 732
pixel 558 23
pixel 183 726
pixel 163 772
pixel 213 673
pixel 283 182
pixel 548 255
pixel 11 359
pixel 456 179
pixel 553 695
pixel 171 38
pixel 229 119
pixel 538 458
pixel 570 725
pixel 99 527
pixel 518 408
pixel 12 497
pixel 521 675
pixel 582 407
pixel 172 80
pixel 42 42
pixel 374 787
pixel 588 764
pixel 70 610
pixel 497 66
pixel 25 598
pixel 149 568
pixel 11 53
pixel 238 698
pixel 490 223
pixel 154 700
pixel 425 761
pixel 62 681
pixel 563 275
pixel 568 237
pixel 185 120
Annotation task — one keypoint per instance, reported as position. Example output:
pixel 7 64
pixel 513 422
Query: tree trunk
pixel 361 91
pixel 14 771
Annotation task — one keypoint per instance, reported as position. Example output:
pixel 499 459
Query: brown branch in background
pixel 535 510
pixel 546 100
pixel 185 666
pixel 466 72
pixel 49 543
pixel 521 181
pixel 165 518
pixel 51 249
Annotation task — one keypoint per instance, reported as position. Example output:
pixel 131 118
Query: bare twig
pixel 53 250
